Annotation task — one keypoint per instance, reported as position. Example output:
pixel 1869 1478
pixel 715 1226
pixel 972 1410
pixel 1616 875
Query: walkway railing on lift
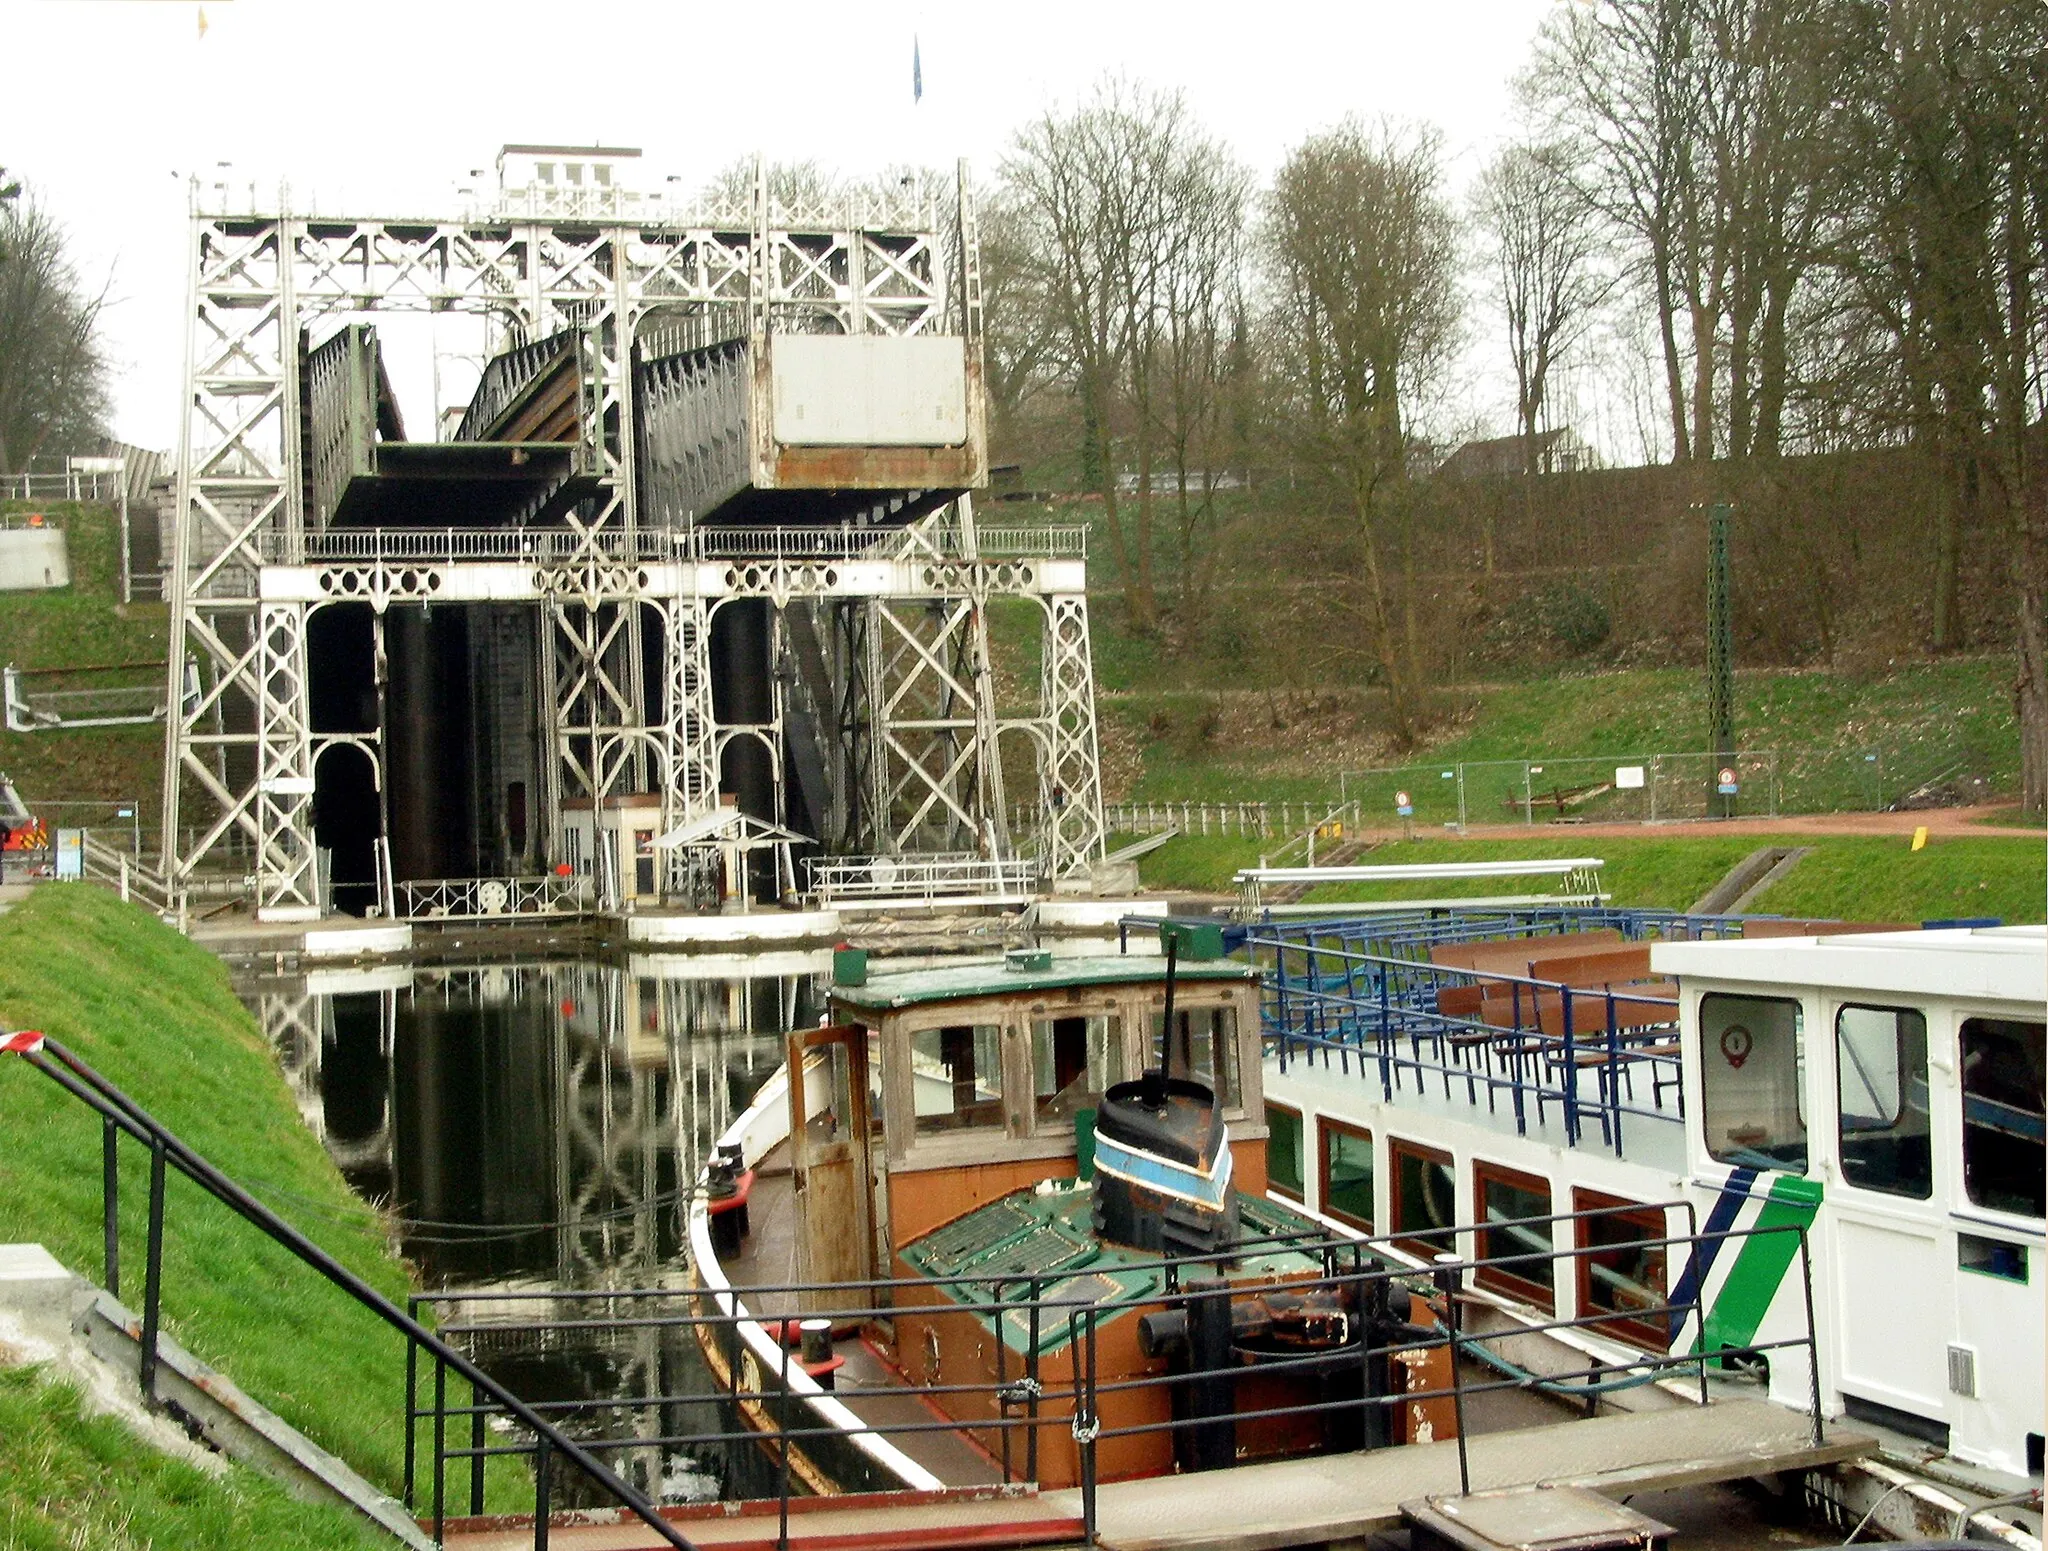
pixel 121 1116
pixel 412 546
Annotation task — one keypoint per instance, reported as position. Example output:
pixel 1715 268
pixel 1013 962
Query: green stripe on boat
pixel 1746 1296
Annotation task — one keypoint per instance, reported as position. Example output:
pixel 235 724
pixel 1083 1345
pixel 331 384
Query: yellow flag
pixel 1920 838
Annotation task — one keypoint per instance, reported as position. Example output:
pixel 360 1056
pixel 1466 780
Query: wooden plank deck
pixel 1260 1507
pixel 1334 1497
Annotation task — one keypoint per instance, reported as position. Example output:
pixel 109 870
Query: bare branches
pixel 53 374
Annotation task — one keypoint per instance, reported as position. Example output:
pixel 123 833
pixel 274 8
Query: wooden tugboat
pixel 1026 1132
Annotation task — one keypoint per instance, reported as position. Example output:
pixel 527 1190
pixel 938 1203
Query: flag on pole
pixel 916 71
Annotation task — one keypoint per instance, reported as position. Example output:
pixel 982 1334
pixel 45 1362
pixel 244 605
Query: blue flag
pixel 916 71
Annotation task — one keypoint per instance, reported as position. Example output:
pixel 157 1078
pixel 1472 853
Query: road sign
pixel 1404 805
pixel 1727 781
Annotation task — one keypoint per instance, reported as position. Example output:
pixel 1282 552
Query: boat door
pixel 831 1143
pixel 1894 1283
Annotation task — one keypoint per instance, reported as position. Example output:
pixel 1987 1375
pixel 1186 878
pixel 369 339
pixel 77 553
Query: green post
pixel 1720 662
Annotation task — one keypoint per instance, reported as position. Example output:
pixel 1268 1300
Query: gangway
pixel 1579 884
pixel 110 705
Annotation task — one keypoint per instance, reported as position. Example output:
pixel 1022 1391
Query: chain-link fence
pixel 1638 788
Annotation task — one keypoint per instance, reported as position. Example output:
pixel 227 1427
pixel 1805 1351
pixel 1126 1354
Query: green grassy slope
pixel 68 1480
pixel 1922 719
pixel 1856 878
pixel 156 1016
pixel 84 625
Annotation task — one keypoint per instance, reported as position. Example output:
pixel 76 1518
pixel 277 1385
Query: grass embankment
pixel 83 626
pixel 69 1480
pixel 155 1015
pixel 1921 719
pixel 1852 878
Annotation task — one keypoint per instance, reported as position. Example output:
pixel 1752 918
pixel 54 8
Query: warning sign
pixel 1726 781
pixel 1403 805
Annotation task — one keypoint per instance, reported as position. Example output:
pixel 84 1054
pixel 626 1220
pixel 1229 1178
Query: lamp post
pixel 1720 666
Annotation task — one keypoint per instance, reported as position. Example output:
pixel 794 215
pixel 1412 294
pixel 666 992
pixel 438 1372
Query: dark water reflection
pixel 537 1126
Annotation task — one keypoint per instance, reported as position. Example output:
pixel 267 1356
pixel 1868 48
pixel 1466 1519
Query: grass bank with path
pixel 156 1015
pixel 1870 878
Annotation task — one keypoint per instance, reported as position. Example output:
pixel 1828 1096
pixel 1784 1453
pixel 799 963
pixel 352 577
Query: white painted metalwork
pixel 923 878
pixel 434 898
pixel 251 563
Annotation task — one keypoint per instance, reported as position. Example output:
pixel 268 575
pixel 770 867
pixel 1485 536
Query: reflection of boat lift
pixel 120 705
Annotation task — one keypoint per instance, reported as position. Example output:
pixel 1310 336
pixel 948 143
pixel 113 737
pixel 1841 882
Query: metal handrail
pixel 703 545
pixel 889 877
pixel 1372 1259
pixel 121 1115
pixel 1371 1021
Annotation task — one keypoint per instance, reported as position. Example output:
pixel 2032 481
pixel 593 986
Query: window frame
pixel 1402 1238
pixel 1800 1074
pixel 1325 1126
pixel 1005 1107
pixel 1961 1147
pixel 1033 1123
pixel 1273 1186
pixel 1626 1327
pixel 1925 1074
pixel 1511 1283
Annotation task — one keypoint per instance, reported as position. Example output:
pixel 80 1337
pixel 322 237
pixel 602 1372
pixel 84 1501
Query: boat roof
pixel 2001 963
pixel 994 977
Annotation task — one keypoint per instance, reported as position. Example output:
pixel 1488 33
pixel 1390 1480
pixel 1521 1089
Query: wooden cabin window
pixel 1751 1064
pixel 1623 1269
pixel 1504 1199
pixel 1881 1100
pixel 1344 1172
pixel 1283 1151
pixel 2003 1104
pixel 957 1075
pixel 1074 1061
pixel 1209 1037
pixel 1425 1198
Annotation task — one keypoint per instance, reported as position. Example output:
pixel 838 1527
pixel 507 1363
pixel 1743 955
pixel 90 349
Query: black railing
pixel 1362 1273
pixel 771 1414
pixel 121 1115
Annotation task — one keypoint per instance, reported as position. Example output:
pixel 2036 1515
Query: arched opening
pixel 347 819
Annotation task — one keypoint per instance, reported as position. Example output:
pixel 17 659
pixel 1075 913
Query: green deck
pixel 1026 1234
pixel 986 977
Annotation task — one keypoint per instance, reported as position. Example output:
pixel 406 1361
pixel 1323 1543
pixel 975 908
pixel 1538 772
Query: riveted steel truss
pixel 1070 764
pixel 908 685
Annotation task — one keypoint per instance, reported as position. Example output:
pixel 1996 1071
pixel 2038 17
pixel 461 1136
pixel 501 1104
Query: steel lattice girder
pixel 1070 772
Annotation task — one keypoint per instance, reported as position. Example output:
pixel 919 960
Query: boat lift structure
pixel 705 528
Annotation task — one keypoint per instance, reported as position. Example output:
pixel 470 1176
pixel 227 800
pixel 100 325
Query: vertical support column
pixel 688 736
pixel 287 886
pixel 1070 776
pixel 1720 661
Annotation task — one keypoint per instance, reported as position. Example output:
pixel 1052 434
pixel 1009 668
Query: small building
pixel 1562 451
pixel 554 180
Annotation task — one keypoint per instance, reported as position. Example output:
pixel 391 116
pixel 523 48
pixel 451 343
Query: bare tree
pixel 53 372
pixel 1545 243
pixel 1112 199
pixel 1361 257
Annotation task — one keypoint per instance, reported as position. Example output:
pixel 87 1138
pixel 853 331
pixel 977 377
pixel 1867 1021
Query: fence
pixel 1641 788
pixel 1263 820
pixel 449 545
pixel 927 878
pixel 1025 1413
pixel 465 898
pixel 1375 1281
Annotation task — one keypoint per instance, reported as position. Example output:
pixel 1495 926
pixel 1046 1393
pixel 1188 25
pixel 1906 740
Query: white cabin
pixel 1883 1092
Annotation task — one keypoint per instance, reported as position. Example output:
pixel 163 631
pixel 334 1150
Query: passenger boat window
pixel 1881 1100
pixel 1209 1036
pixel 2003 1104
pixel 1425 1198
pixel 958 1077
pixel 1345 1177
pixel 829 1086
pixel 1506 1199
pixel 1751 1063
pixel 1622 1269
pixel 1283 1151
pixel 1074 1061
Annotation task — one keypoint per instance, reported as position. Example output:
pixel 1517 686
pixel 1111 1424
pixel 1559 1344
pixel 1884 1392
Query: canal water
pixel 537 1126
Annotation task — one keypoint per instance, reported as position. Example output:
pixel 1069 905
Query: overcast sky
pixel 379 107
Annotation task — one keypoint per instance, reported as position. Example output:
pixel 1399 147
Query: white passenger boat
pixel 1871 1100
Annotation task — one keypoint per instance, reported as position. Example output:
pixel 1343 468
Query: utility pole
pixel 1720 667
